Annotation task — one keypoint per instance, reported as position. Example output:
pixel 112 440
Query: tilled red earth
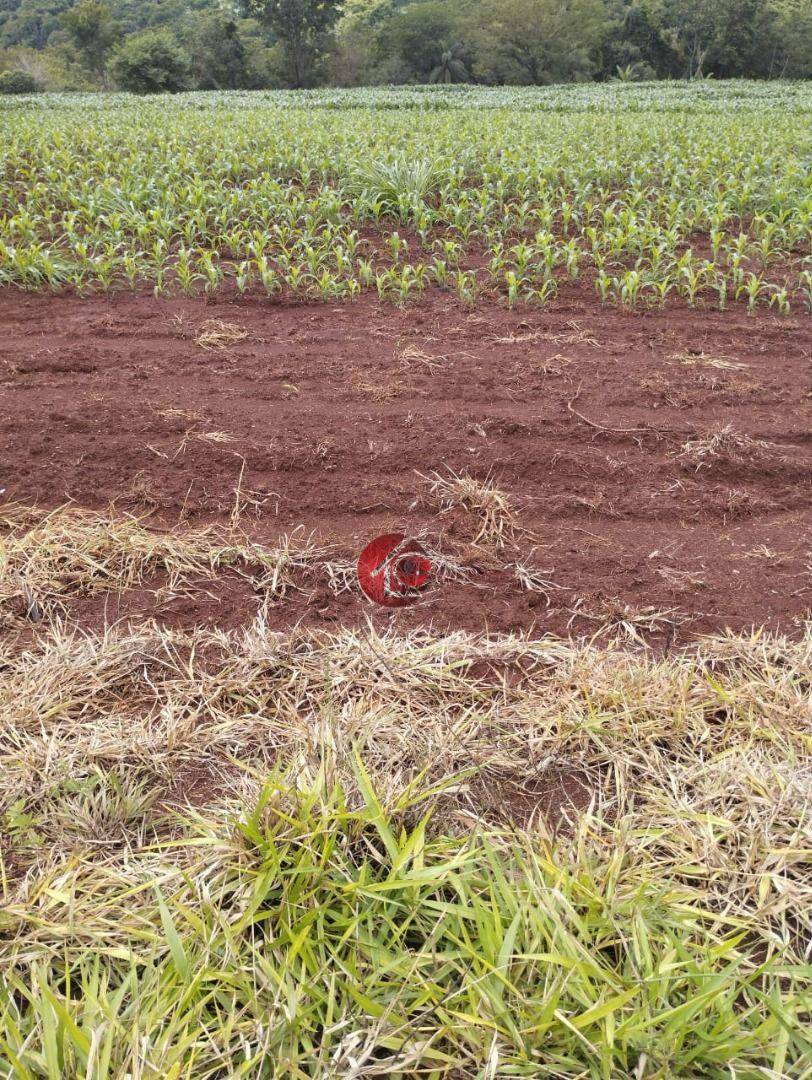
pixel 323 417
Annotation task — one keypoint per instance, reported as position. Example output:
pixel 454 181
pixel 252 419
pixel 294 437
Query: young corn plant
pixel 466 285
pixel 806 288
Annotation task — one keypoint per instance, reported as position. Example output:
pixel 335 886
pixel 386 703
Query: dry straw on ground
pixel 697 358
pixel 217 334
pixel 492 511
pixel 47 557
pixel 727 444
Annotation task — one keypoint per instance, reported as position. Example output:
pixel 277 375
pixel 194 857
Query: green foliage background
pixel 249 44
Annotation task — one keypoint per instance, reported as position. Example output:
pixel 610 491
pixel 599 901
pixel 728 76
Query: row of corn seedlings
pixel 327 203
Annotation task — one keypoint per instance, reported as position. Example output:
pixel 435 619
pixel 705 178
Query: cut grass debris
pixel 216 334
pixel 553 365
pixel 190 436
pixel 342 576
pixel 762 551
pixel 616 618
pixel 692 358
pixel 726 444
pixel 192 415
pixel 575 334
pixel 411 355
pixel 493 510
pixel 47 557
pixel 681 579
pixel 375 389
pixel 517 337
pixel 532 580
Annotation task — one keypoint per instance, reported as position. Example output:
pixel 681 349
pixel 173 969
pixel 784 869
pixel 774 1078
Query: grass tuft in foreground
pixel 315 936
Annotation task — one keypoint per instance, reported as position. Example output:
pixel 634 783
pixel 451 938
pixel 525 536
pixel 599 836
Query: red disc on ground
pixel 392 570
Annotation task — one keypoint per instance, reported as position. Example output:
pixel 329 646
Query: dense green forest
pixel 168 45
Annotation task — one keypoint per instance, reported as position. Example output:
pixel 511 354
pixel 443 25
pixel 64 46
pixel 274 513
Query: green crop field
pixel 648 193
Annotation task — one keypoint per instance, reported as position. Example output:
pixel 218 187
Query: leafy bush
pixel 17 82
pixel 151 63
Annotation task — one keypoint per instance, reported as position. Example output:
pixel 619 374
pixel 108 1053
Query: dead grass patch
pixel 616 619
pixel 47 557
pixel 377 391
pixel 553 365
pixel 492 509
pixel 764 551
pixel 517 337
pixel 697 358
pixel 575 334
pixel 190 415
pixel 412 355
pixel 662 388
pixel 217 334
pixel 684 580
pixel 705 753
pixel 726 444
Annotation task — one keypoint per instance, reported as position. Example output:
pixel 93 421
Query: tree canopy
pixel 78 44
pixel 302 28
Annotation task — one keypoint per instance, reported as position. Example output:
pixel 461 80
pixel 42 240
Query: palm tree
pixel 450 69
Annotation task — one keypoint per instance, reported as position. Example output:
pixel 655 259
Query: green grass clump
pixel 311 938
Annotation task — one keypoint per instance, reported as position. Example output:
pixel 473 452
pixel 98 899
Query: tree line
pixel 171 45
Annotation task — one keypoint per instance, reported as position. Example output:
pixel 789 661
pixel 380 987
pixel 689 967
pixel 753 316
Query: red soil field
pixel 325 416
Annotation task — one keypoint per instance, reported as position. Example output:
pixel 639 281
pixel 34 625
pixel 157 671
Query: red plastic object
pixel 393 571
